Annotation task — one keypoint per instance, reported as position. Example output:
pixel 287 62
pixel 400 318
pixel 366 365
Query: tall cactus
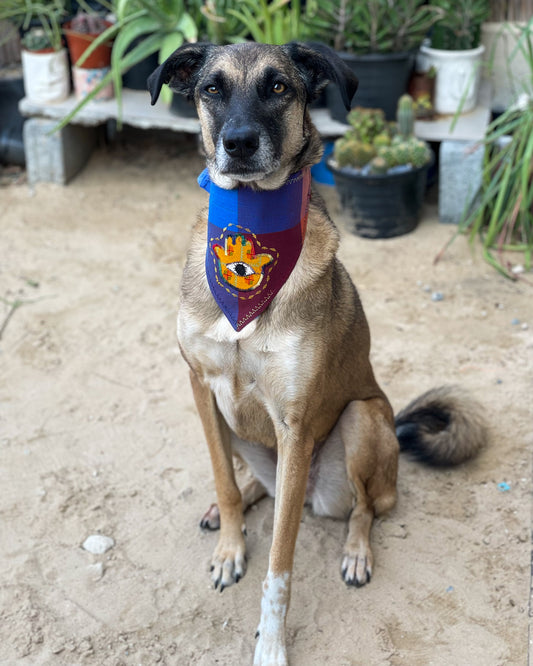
pixel 405 116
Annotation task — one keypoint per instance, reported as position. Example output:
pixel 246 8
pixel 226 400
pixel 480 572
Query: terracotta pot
pixel 79 42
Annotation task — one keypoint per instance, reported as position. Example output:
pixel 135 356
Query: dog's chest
pixel 254 375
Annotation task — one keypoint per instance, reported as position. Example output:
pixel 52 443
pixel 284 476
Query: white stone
pixel 98 544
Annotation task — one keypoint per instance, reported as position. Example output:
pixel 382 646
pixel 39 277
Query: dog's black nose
pixel 241 142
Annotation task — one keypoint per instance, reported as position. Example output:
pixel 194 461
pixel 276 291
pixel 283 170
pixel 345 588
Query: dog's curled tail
pixel 444 426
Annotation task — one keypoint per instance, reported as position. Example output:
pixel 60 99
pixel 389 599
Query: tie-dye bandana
pixel 254 240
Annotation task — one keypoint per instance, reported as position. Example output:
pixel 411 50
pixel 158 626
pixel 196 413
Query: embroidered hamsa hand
pixel 239 265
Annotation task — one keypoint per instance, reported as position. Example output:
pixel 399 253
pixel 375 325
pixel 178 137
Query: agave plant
pixel 376 26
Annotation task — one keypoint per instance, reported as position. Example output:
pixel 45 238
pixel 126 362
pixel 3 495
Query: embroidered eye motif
pixel 240 268
pixel 239 265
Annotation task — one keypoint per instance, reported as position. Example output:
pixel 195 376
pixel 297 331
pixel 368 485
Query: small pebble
pixel 437 296
pixel 524 326
pixel 98 544
pixel 427 288
pixel 515 321
pixel 516 270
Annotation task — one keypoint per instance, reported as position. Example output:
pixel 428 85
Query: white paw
pixel 270 650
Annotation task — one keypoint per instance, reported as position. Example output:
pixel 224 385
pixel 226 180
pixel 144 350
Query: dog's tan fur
pixel 293 393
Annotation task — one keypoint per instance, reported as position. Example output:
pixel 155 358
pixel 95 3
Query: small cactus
pixel 381 139
pixel 379 145
pixel 378 165
pixel 352 152
pixel 405 116
pixel 419 153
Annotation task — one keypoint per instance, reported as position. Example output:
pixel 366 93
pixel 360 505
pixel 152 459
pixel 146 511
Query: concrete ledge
pixel 57 157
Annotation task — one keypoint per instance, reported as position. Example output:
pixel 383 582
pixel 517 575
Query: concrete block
pixel 460 171
pixel 56 157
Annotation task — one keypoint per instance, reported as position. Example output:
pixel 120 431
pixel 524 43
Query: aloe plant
pixel 274 22
pixel 502 215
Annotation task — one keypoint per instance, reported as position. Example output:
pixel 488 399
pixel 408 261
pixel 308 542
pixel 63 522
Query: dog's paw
pixel 269 650
pixel 356 568
pixel 228 564
pixel 211 518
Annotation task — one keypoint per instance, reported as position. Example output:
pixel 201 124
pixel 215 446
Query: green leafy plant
pixel 459 28
pixel 143 27
pixel 376 146
pixel 375 26
pixel 272 22
pixel 502 212
pixel 214 22
pixel 49 14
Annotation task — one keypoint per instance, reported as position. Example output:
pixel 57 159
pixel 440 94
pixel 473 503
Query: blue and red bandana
pixel 254 239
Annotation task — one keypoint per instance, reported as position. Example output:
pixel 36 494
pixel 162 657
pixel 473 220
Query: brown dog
pixel 291 391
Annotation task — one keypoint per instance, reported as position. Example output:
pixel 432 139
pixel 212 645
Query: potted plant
pixel 89 67
pixel 380 171
pixel 456 53
pixel 422 90
pixel 161 25
pixel 378 39
pixel 504 63
pixel 44 58
pixel 502 212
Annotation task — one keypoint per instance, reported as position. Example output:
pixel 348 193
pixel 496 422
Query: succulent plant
pixel 405 116
pixel 36 40
pixel 353 152
pixel 376 146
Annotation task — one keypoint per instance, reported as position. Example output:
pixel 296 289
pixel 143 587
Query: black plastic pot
pixel 135 77
pixel 11 122
pixel 181 106
pixel 383 79
pixel 381 206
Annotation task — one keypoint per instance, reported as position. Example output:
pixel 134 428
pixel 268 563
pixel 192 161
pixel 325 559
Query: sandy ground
pixel 99 435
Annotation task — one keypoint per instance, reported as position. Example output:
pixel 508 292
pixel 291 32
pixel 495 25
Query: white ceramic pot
pixel 458 77
pixel 506 66
pixel 46 76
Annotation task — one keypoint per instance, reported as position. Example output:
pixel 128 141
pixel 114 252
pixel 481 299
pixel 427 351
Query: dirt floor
pixel 99 435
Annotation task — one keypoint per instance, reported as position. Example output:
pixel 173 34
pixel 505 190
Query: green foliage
pixel 214 21
pixel 272 21
pixel 371 140
pixel 374 26
pixel 460 25
pixel 143 27
pixel 502 211
pixel 49 14
pixel 36 40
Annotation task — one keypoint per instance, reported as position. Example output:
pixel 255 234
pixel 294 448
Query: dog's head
pixel 252 100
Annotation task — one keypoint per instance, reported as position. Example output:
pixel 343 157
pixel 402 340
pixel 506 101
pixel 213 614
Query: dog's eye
pixel 279 87
pixel 212 90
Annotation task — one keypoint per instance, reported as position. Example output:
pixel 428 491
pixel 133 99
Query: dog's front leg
pixel 294 457
pixel 228 565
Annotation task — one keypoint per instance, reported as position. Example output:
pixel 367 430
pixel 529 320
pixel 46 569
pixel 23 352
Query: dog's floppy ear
pixel 179 70
pixel 319 65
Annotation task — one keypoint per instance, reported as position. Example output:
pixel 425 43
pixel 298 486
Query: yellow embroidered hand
pixel 239 265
